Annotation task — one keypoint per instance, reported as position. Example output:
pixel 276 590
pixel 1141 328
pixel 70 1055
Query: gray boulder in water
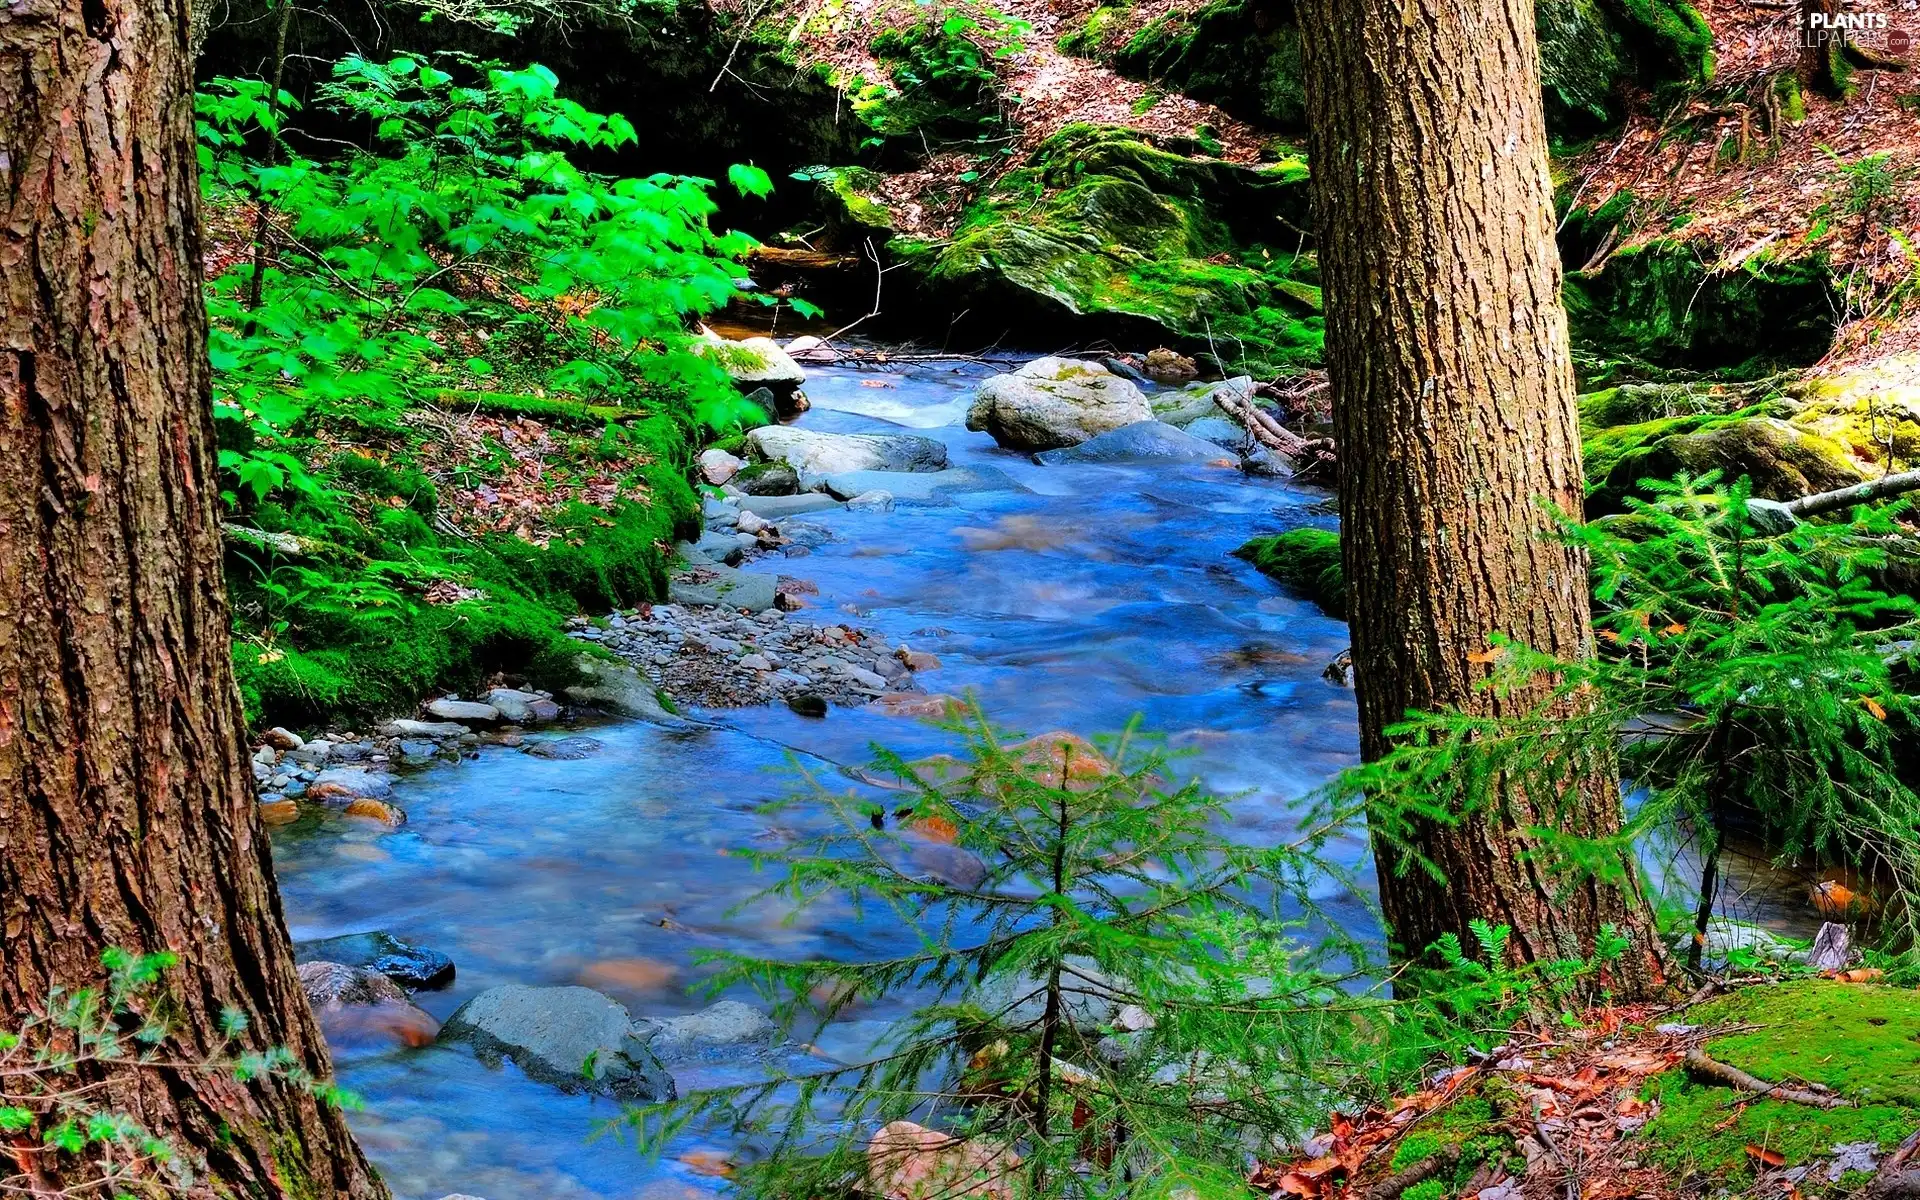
pixel 728 1026
pixel 1055 402
pixel 572 1038
pixel 1141 440
pixel 811 452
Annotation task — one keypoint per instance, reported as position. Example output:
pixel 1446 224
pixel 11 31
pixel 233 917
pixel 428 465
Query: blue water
pixel 1098 593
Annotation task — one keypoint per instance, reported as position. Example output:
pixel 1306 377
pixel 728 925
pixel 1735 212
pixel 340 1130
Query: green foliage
pixel 1105 983
pixel 1306 560
pixel 1866 186
pixel 940 77
pixel 1758 678
pixel 460 244
pixel 52 1064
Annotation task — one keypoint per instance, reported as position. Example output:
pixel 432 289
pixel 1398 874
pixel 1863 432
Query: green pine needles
pixel 1744 683
pixel 56 1116
pixel 1113 997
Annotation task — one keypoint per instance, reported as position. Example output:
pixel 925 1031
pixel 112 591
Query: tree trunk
pixel 126 810
pixel 1455 416
pixel 1823 48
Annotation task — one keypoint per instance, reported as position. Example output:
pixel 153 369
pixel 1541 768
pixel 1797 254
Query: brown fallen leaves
pixel 1567 1100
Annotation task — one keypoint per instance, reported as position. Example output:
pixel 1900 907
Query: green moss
pixel 1783 462
pixel 1305 560
pixel 1861 1041
pixel 1660 303
pixel 1103 233
pixel 574 413
pixel 1231 53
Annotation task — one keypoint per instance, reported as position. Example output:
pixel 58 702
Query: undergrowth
pixel 1115 1000
pixel 456 265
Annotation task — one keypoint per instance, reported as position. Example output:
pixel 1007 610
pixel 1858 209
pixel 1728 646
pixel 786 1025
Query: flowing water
pixel 1093 593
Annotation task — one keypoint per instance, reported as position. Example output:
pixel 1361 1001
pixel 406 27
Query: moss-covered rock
pixel 1783 461
pixel 1305 560
pixel 1592 50
pixel 1873 411
pixel 1243 55
pixel 1105 234
pixel 1863 1041
pixel 1661 303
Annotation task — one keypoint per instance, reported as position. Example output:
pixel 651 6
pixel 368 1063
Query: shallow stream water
pixel 1094 593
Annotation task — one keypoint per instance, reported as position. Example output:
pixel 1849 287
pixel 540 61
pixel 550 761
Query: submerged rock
pixel 924 487
pixel 342 785
pixel 332 985
pixel 1141 440
pixel 1055 402
pixel 810 452
pixel 572 1038
pixel 377 950
pixel 566 749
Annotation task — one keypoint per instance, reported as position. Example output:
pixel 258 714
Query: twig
pixel 1710 1070
pixel 1390 1188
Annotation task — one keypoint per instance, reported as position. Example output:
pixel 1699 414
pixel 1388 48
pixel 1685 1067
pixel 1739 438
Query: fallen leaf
pixel 707 1162
pixel 1766 1157
pixel 1879 714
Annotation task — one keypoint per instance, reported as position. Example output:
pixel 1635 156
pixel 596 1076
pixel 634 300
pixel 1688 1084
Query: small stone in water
pixel 807 704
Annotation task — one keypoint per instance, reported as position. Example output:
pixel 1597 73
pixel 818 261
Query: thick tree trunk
pixel 1455 417
pixel 126 810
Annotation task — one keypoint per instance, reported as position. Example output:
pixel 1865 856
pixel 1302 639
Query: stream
pixel 1098 592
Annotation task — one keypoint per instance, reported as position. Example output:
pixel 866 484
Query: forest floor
pixel 1728 172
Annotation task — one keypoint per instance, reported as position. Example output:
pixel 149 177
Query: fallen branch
pixel 1710 1070
pixel 1775 516
pixel 1894 1180
pixel 1265 430
pixel 1393 1185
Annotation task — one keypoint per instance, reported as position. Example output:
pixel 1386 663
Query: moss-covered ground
pixel 1305 560
pixel 1861 1040
pixel 450 545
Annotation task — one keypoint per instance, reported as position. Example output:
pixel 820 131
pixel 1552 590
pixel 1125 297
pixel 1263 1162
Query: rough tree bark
pixel 1823 48
pixel 126 810
pixel 1454 411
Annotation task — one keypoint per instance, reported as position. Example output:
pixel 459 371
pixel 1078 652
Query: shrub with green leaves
pixel 458 259
pixel 1113 997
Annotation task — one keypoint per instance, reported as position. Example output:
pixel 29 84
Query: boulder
pixel 1091 1002
pixel 752 363
pixel 1055 402
pixel 1226 434
pixel 572 1038
pixel 768 479
pixel 1169 366
pixel 523 708
pixel 811 452
pixel 470 713
pixel 875 501
pixel 717 585
pixel 906 1161
pixel 1142 440
pixel 617 688
pixel 717 466
pixel 726 1026
pixel 406 964
pixel 281 738
pixel 1200 401
pixel 343 785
